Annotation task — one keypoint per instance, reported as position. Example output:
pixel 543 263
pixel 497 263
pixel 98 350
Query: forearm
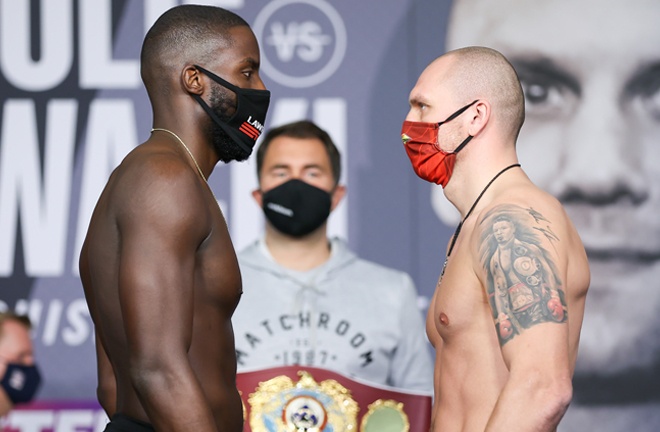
pixel 530 405
pixel 106 390
pixel 107 396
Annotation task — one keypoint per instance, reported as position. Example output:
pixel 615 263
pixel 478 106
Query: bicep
pixel 159 240
pixel 523 271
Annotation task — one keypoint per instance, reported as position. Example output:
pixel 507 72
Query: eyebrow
pixel 278 166
pixel 418 100
pixel 548 69
pixel 287 166
pixel 250 61
pixel 645 81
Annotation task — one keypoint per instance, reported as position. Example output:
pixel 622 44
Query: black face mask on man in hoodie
pixel 296 208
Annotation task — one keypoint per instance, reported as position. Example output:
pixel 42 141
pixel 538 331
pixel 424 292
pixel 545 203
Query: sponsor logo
pixel 249 130
pixel 17 380
pixel 303 42
pixel 280 209
pixel 252 128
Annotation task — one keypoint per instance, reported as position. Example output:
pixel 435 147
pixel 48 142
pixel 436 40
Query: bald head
pixel 482 73
pixel 184 34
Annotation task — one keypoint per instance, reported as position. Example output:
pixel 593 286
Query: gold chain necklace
pixel 199 170
pixel 185 147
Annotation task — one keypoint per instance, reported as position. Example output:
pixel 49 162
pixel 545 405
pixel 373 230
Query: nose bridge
pixel 297 171
pixel 604 160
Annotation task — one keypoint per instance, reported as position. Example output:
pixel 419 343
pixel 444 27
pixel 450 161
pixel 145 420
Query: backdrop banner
pixel 72 105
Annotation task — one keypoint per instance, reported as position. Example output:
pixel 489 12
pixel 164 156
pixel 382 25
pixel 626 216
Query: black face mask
pixel 296 208
pixel 21 382
pixel 247 123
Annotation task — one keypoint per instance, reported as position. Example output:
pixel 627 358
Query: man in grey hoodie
pixel 308 300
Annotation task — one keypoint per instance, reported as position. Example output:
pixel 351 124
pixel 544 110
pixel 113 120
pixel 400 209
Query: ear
pixel 191 80
pixel 258 197
pixel 480 117
pixel 337 195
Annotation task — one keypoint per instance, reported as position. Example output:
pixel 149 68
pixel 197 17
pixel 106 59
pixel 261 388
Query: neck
pixel 466 185
pixel 476 165
pixel 193 141
pixel 299 254
pixel 474 205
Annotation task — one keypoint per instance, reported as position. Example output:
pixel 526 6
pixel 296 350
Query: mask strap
pixel 463 144
pixel 221 123
pixel 217 79
pixel 459 112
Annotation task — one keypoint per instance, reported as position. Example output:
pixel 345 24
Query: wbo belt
pixel 309 399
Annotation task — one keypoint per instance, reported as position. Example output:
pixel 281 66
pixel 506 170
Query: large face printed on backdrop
pixel 72 105
pixel 591 139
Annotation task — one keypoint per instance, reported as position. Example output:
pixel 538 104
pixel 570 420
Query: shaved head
pixel 184 34
pixel 589 70
pixel 483 73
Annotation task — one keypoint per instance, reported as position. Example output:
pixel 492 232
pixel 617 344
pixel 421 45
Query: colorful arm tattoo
pixel 524 288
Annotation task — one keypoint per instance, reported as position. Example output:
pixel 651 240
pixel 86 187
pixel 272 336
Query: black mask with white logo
pixel 296 208
pixel 20 382
pixel 247 123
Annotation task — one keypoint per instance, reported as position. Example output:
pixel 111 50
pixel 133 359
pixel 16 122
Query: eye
pixel 644 91
pixel 279 173
pixel 545 96
pixel 549 91
pixel 313 173
pixel 652 104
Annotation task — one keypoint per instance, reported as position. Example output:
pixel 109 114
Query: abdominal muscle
pixel 469 369
pixel 466 390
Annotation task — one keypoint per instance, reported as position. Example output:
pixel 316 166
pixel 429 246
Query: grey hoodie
pixel 349 315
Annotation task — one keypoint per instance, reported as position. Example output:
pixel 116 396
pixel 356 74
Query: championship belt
pixel 308 399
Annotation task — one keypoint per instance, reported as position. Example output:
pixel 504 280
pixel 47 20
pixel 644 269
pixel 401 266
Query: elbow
pixel 558 396
pixel 142 376
pixel 107 398
pixel 150 376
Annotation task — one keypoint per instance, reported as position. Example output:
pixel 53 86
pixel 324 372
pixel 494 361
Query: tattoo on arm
pixel 524 288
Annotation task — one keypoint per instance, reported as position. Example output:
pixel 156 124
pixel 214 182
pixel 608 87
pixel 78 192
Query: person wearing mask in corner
pixel 19 375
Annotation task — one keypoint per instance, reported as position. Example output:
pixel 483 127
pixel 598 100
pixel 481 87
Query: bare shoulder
pixel 156 186
pixel 539 216
pixel 523 242
pixel 154 176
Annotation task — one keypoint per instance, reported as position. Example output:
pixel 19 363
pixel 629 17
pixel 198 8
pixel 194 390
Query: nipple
pixel 444 319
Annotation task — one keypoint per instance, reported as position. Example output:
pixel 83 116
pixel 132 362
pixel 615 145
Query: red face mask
pixel 420 140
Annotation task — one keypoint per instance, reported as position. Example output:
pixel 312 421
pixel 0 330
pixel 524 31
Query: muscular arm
pixel 162 225
pixel 106 390
pixel 530 317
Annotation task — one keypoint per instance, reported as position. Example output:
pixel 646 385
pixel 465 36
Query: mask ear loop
pixel 213 116
pixel 452 117
pixel 463 144
pixel 457 113
pixel 220 80
pixel 220 123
